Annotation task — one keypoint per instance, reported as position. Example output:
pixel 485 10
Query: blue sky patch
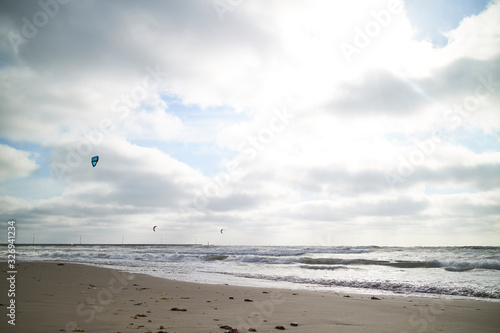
pixel 431 17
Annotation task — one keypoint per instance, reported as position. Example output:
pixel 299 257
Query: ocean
pixel 447 272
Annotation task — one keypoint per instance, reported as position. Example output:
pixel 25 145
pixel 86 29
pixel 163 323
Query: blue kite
pixel 95 159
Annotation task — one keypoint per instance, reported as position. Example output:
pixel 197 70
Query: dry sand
pixel 65 298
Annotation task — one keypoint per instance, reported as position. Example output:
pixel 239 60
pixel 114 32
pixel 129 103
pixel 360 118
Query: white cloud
pixel 15 163
pixel 476 36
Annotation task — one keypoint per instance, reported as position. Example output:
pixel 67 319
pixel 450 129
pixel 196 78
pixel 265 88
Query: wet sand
pixel 53 297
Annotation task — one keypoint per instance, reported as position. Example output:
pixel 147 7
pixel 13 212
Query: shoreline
pixel 297 287
pixel 62 297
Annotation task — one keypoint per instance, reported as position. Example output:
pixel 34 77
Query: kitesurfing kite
pixel 95 159
pixel 154 228
pixel 221 230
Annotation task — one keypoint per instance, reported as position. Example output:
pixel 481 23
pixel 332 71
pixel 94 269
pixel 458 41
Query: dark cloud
pixel 335 180
pixel 378 92
pixel 385 94
pixel 461 78
pixel 239 202
pixel 476 210
pixel 481 177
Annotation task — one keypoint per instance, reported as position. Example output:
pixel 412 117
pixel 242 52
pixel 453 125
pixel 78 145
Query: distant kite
pixel 95 159
pixel 221 230
pixel 154 228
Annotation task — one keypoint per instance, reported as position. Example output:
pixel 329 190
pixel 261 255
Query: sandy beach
pixel 51 297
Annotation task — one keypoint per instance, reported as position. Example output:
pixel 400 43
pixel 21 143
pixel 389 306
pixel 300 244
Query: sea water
pixel 450 272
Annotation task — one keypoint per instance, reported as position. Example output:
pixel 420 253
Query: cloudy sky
pixel 282 122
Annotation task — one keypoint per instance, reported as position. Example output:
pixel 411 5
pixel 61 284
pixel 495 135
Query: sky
pixel 318 123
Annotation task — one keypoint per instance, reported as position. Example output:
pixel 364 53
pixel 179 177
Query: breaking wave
pixel 395 287
pixel 455 266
